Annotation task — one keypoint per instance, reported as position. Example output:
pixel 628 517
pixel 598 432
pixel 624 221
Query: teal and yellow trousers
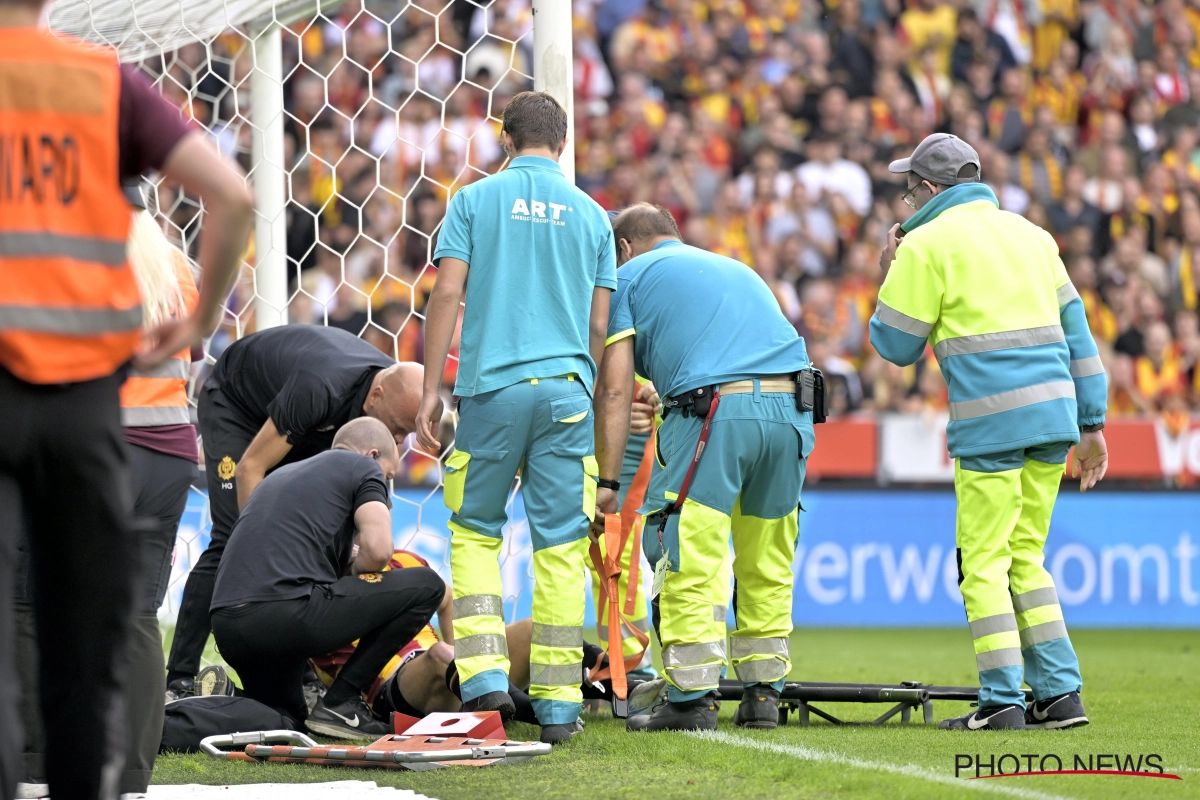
pixel 1005 502
pixel 543 429
pixel 747 483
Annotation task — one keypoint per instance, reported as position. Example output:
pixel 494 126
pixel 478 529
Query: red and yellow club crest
pixel 371 577
pixel 226 469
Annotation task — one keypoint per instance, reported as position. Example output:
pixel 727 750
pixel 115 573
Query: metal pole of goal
pixel 270 189
pixel 553 68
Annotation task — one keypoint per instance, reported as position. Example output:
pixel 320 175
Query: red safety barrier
pixel 847 447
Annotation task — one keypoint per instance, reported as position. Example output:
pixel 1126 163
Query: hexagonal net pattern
pixel 390 106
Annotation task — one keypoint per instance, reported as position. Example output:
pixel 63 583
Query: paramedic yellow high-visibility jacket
pixel 988 291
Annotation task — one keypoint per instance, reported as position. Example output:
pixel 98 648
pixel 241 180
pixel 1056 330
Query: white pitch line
pixel 907 770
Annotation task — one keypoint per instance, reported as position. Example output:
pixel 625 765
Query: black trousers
pixel 225 437
pixel 269 643
pixel 64 482
pixel 160 484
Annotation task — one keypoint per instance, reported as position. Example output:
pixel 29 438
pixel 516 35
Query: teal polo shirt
pixel 700 319
pixel 537 248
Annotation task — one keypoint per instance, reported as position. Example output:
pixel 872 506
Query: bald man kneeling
pixel 301 576
pixel 273 398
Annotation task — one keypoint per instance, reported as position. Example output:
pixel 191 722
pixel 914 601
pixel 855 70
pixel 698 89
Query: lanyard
pixel 687 478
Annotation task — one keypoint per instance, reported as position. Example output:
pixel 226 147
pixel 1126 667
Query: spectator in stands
pixel 978 43
pixel 678 101
pixel 1073 209
pixel 1158 369
pixel 827 173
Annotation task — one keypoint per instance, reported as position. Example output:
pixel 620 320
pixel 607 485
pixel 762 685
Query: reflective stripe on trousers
pixel 691 667
pixel 759 660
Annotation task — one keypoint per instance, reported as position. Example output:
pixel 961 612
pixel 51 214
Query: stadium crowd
pixel 766 127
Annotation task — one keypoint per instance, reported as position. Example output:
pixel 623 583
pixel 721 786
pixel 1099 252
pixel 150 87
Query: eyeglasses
pixel 909 200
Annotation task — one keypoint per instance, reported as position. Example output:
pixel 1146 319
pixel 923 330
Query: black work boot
pixel 759 708
pixel 492 701
pixel 691 715
pixel 558 734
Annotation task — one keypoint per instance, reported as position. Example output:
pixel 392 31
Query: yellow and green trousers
pixel 543 429
pixel 748 482
pixel 1005 502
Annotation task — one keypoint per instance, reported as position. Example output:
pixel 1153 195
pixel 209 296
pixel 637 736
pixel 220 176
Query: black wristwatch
pixel 604 483
pixel 1091 428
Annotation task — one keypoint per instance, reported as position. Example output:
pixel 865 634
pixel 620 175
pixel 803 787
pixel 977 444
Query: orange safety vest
pixel 159 396
pixel 69 305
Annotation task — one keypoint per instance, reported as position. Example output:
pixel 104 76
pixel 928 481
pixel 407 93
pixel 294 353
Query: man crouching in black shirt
pixel 281 598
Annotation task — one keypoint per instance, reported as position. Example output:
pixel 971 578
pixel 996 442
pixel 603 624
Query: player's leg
pixel 225 439
pixel 160 487
pixel 989 503
pixel 520 638
pixel 559 489
pixel 1051 666
pixel 765 529
pixel 420 685
pixel 83 576
pixel 489 445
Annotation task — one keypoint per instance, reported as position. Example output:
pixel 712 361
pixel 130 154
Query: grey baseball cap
pixel 938 158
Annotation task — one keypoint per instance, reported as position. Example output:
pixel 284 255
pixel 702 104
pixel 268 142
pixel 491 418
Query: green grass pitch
pixel 1142 691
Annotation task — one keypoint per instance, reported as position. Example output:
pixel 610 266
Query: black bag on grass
pixel 191 719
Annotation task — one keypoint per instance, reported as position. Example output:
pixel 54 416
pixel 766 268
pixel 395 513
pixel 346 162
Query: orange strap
pixel 629 517
pixel 617 530
pixel 608 567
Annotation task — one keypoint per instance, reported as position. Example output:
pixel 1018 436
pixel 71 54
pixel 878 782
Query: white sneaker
pixel 32 791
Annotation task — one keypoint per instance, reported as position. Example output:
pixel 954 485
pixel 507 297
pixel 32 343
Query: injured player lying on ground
pixel 422 678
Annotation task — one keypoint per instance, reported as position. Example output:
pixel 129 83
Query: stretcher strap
pixel 629 518
pixel 608 567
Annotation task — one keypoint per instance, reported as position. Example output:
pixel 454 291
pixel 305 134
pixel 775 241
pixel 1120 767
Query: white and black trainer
pixel 1056 713
pixel 351 719
pixel 994 718
pixel 213 680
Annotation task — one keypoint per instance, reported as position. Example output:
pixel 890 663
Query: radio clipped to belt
pixel 810 393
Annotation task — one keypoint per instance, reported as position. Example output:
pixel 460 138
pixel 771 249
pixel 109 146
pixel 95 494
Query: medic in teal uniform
pixel 540 260
pixel 689 320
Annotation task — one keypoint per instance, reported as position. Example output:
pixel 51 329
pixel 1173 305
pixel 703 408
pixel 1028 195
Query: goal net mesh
pixel 390 106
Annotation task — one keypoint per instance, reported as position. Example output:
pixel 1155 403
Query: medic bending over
pixel 709 334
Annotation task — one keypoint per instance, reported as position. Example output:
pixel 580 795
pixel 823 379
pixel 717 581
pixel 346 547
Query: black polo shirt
pixel 308 379
pixel 297 529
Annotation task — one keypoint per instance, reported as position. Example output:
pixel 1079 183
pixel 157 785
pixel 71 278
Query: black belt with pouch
pixel 810 393
pixel 810 396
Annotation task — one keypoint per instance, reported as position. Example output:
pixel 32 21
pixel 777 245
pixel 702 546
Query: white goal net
pixel 388 107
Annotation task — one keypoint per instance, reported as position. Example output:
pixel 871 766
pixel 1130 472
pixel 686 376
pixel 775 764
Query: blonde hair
pixel 153 259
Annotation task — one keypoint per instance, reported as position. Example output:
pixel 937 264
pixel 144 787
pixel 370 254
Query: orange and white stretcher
pixel 437 740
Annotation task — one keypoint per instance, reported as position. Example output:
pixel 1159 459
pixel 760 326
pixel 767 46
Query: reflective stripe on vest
pixel 69 305
pixel 158 396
